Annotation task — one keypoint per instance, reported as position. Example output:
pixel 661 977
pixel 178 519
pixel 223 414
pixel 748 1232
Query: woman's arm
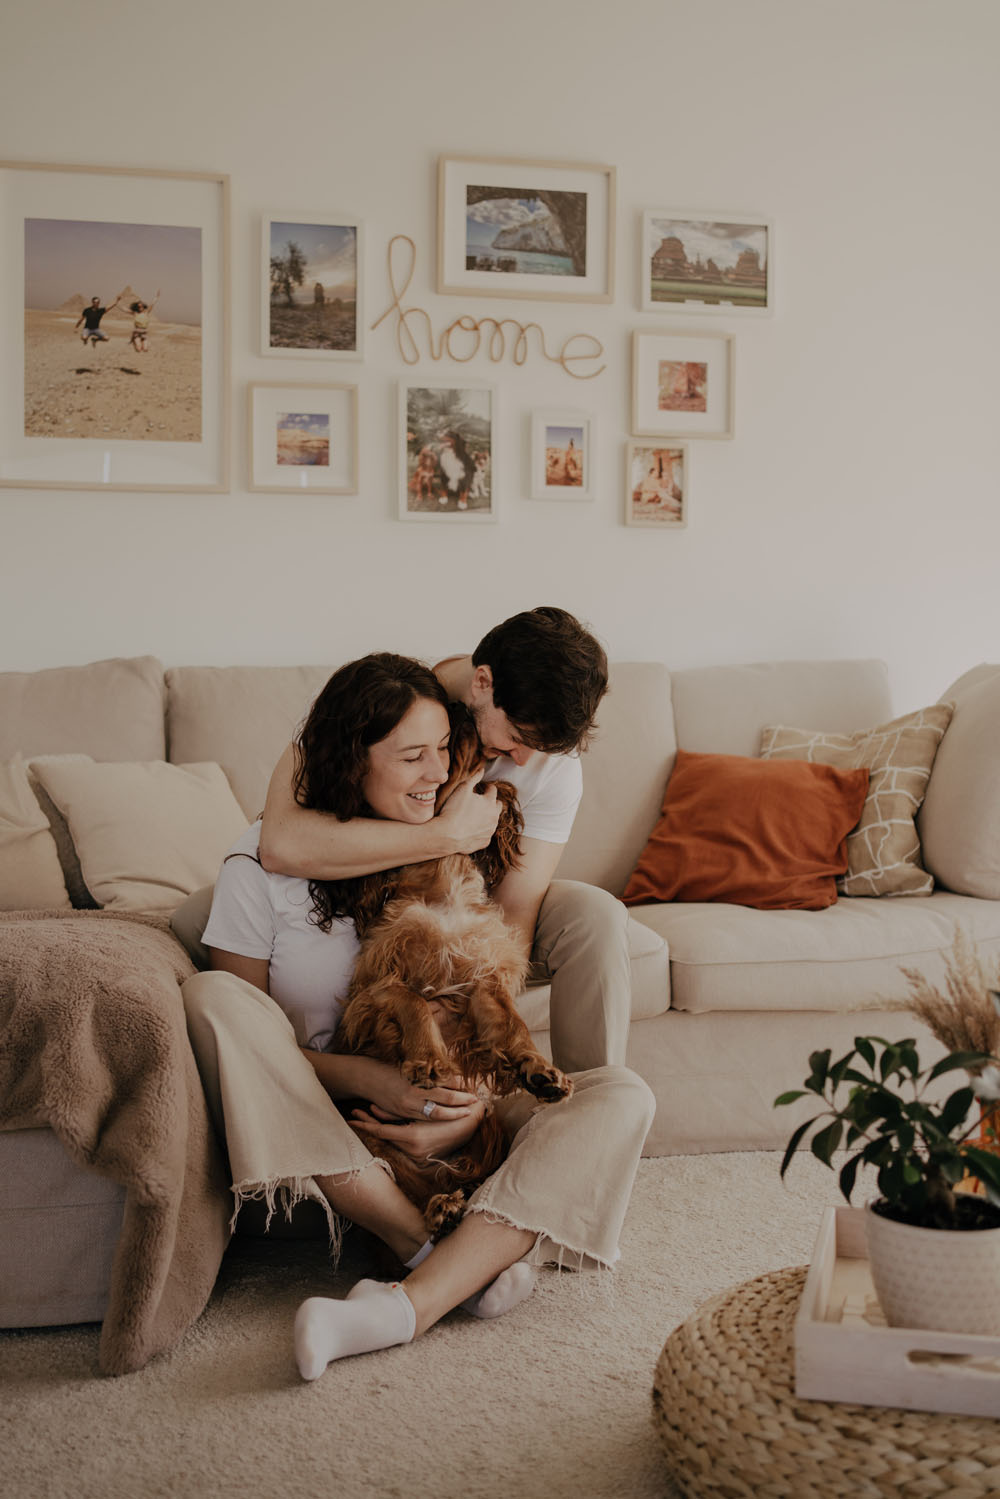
pixel 256 971
pixel 297 840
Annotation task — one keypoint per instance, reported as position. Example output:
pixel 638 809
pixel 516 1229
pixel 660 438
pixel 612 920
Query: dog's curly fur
pixel 438 936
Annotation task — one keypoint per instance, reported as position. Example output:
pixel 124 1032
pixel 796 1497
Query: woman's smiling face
pixel 406 768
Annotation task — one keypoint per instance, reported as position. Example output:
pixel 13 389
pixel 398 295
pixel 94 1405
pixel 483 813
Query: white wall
pixel 855 512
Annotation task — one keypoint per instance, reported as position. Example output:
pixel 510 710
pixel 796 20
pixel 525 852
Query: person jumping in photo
pixel 91 319
pixel 141 313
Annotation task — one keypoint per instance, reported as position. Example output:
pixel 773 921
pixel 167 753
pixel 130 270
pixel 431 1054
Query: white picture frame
pixel 321 316
pixel 302 438
pixel 562 455
pixel 682 384
pixel 657 476
pixel 693 261
pixel 447 452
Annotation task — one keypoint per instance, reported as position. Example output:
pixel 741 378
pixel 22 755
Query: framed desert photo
pixel 447 453
pixel 682 385
pixel 304 438
pixel 561 456
pixel 540 229
pixel 656 481
pixel 114 312
pixel 699 262
pixel 310 287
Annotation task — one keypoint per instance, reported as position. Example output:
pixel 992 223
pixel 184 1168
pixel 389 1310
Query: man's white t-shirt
pixel 262 915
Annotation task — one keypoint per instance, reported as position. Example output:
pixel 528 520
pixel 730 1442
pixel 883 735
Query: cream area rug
pixel 551 1401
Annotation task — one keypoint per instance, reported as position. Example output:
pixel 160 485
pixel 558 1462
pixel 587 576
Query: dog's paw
pixel 545 1082
pixel 425 1073
pixel 443 1214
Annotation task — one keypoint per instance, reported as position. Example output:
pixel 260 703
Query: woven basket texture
pixel 725 1407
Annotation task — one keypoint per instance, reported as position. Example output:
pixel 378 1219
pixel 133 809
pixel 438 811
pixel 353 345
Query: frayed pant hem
pixel 546 1249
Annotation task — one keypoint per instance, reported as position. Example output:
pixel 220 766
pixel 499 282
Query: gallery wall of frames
pixel 157 246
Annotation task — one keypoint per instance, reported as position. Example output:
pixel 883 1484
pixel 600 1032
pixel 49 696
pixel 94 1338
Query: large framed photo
pixel 562 465
pixel 304 438
pixel 311 286
pixel 541 229
pixel 656 485
pixel 700 262
pixel 447 452
pixel 682 385
pixel 114 311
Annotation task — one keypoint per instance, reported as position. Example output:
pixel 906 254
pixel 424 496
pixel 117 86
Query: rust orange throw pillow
pixel 764 833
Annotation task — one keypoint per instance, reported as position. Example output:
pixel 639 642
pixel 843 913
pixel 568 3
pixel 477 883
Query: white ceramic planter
pixel 933 1278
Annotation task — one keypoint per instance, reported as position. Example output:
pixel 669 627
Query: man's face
pixel 497 734
pixel 95 301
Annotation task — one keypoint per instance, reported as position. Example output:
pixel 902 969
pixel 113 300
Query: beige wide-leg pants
pixel 567 1178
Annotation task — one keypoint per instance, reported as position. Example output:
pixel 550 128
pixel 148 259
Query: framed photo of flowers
pixel 311 286
pixel 562 463
pixel 656 485
pixel 447 452
pixel 542 229
pixel 303 439
pixel 701 262
pixel 682 385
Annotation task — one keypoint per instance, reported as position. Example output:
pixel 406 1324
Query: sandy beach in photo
pixel 75 390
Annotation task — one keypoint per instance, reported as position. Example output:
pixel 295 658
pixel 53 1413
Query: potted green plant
pixel 934 1251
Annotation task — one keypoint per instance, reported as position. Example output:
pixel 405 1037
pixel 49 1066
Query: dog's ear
pixel 503 852
pixel 464 749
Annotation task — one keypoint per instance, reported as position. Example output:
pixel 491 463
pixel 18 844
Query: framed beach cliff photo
pixel 303 438
pixel 540 229
pixel 701 262
pixel 115 319
pixel 310 287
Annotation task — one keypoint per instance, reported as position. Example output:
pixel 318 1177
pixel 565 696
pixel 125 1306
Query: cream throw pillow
pixel 883 852
pixel 147 833
pixel 30 875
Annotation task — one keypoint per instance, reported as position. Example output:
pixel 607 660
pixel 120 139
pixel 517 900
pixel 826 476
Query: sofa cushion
pixel 726 957
pixel 624 773
pixel 112 710
pixel 30 875
pixel 722 709
pixel 755 832
pixel 959 822
pixel 147 833
pixel 883 852
pixel 241 717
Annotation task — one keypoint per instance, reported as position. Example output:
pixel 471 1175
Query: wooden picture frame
pixel 447 452
pixel 562 455
pixel 527 229
pixel 693 261
pixel 303 438
pixel 114 314
pixel 682 384
pixel 312 286
pixel 656 485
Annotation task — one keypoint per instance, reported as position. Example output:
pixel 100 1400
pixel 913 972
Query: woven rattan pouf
pixel 725 1406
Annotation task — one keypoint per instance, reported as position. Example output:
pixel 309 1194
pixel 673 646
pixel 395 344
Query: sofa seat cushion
pixel 649 963
pixel 849 956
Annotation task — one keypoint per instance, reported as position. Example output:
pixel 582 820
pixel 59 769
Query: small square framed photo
pixel 656 485
pixel 682 385
pixel 701 262
pixel 447 452
pixel 304 439
pixel 542 229
pixel 562 463
pixel 310 287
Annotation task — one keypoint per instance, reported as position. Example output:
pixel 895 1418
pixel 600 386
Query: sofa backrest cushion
pixel 242 717
pixel 110 710
pixel 959 822
pixel 625 771
pixel 722 709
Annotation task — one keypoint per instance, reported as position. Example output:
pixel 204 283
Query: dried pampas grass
pixel 965 1017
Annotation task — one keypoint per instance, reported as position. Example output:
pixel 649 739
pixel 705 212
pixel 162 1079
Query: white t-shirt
pixel 261 915
pixel 549 788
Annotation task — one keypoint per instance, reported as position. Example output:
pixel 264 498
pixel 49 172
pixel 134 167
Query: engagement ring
pixel 428 1109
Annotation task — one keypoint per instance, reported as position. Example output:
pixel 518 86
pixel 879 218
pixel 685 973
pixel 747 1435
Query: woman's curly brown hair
pixel 358 707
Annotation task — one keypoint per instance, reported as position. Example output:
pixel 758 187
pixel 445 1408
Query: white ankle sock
pixel 373 1315
pixel 510 1287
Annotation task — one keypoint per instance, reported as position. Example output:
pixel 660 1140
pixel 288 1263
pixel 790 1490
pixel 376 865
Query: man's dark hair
pixel 549 674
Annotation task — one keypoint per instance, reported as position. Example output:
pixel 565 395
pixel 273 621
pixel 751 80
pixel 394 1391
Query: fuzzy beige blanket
pixel 93 1044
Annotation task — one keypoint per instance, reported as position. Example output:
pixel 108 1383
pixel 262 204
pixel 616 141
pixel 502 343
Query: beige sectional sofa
pixel 727 1000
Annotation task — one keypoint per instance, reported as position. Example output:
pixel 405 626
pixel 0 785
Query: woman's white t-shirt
pixel 262 915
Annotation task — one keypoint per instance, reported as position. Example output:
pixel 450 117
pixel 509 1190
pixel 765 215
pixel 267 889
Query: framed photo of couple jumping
pixel 115 317
pixel 542 229
pixel 447 453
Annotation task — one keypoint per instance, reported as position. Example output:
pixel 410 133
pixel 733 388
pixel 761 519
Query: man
pixel 91 319
pixel 533 685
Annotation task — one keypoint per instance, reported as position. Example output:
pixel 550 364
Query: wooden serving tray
pixel 845 1351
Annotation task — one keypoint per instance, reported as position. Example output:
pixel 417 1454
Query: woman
pixel 282 951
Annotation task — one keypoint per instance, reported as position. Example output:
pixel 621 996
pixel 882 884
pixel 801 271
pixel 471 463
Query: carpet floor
pixel 550 1402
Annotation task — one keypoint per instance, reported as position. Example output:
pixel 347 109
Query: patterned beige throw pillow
pixel 883 852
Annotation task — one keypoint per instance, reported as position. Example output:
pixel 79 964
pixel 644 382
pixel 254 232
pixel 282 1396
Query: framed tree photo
pixel 311 287
pixel 447 453
pixel 705 263
pixel 303 438
pixel 682 385
pixel 542 229
pixel 562 466
pixel 114 313
pixel 656 480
